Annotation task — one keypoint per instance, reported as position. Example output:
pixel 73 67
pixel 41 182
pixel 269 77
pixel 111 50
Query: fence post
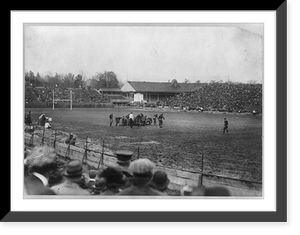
pixel 138 155
pixel 54 142
pixel 31 139
pixel 85 151
pixel 101 160
pixel 43 136
pixel 201 177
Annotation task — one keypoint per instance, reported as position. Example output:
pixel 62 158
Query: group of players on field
pixel 138 120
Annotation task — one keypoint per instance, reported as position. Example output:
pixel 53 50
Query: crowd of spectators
pixel 79 95
pixel 222 97
pixel 46 174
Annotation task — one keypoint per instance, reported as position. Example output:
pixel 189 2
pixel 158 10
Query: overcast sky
pixel 147 53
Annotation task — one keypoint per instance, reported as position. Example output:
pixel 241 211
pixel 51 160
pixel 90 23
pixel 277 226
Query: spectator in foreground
pixel 113 181
pixel 40 163
pixel 186 190
pixel 160 181
pixel 99 185
pixel 55 178
pixel 142 175
pixel 92 179
pixel 73 176
pixel 216 191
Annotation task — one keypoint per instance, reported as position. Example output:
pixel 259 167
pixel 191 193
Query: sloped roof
pixel 107 89
pixel 164 87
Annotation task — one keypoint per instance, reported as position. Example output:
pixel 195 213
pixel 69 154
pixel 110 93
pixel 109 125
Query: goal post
pixel 62 100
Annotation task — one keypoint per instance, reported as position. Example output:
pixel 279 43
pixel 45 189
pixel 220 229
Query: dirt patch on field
pixel 183 141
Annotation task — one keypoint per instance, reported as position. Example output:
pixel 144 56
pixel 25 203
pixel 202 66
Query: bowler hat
pixel 73 169
pixel 160 180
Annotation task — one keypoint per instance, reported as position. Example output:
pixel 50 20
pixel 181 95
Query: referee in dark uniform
pixel 225 126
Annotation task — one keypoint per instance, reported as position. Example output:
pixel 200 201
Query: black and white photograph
pixel 143 110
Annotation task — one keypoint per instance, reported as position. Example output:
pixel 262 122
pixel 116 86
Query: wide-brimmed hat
pixel 41 157
pixel 74 169
pixel 160 180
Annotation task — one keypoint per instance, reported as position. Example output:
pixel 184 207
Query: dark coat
pixel 140 186
pixel 34 186
pixel 141 190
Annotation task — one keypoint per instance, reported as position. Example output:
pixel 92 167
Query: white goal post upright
pixel 57 100
pixel 71 100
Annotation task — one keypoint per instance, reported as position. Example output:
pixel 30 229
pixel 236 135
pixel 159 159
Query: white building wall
pixel 138 97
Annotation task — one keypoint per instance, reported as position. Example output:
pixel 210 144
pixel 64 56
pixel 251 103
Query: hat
pixel 92 174
pixel 123 156
pixel 160 180
pixel 141 166
pixel 142 170
pixel 73 169
pixel 42 156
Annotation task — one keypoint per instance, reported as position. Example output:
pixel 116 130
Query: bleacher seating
pixel 222 97
pixel 79 95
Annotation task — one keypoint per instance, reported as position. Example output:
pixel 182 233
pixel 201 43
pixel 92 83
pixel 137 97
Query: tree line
pixel 106 79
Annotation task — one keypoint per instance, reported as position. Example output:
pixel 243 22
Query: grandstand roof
pixel 161 87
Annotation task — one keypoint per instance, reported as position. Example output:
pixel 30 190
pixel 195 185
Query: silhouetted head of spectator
pixel 217 191
pixel 92 174
pixel 160 180
pixel 142 171
pixel 113 177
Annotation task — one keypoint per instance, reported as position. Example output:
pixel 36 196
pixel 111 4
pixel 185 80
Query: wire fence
pixel 97 158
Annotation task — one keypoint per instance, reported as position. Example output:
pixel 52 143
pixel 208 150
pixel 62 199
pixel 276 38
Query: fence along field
pixel 234 160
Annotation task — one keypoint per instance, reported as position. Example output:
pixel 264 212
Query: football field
pixel 180 144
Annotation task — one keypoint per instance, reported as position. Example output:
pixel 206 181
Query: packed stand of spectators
pixel 46 174
pixel 79 95
pixel 222 97
pixel 30 94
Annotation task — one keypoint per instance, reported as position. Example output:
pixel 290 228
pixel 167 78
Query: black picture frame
pixel 280 215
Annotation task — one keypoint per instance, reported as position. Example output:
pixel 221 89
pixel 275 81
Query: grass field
pixel 180 144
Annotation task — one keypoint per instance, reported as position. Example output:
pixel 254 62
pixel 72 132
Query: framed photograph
pixel 148 116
